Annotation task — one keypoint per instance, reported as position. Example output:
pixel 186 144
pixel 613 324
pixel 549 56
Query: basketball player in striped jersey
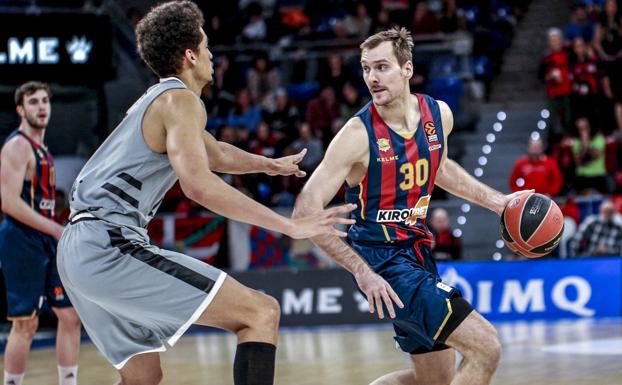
pixel 28 236
pixel 391 154
pixel 132 296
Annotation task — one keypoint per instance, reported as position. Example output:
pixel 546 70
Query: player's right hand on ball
pixel 378 292
pixel 322 222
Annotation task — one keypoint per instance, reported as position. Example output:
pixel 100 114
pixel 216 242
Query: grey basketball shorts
pixel 130 295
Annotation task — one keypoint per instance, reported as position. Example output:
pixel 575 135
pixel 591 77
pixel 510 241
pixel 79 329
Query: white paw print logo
pixel 79 49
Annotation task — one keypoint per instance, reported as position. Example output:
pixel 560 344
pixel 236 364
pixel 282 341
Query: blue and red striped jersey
pixel 39 193
pixel 394 195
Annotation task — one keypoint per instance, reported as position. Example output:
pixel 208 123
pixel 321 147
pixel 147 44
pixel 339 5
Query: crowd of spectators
pixel 268 106
pixel 582 74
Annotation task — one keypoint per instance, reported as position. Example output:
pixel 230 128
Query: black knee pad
pixel 460 309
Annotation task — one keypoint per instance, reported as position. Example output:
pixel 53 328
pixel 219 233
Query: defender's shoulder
pixel 177 97
pixel 179 103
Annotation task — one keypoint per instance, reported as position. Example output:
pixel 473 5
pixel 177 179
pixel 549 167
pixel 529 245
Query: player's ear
pixel 20 110
pixel 407 69
pixel 190 56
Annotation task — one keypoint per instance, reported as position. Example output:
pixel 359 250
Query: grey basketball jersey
pixel 124 182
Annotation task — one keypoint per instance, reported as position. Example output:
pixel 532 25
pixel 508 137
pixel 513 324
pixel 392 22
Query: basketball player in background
pixel 28 236
pixel 390 155
pixel 132 296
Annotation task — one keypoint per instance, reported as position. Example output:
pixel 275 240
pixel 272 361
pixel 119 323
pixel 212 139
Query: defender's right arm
pixel 347 149
pixel 184 120
pixel 16 154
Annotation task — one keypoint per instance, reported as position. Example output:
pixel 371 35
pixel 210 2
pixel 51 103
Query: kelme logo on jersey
pixel 430 131
pixel 47 204
pixel 408 216
pixel 383 144
pixel 384 159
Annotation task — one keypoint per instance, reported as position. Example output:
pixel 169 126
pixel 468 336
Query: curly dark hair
pixel 166 32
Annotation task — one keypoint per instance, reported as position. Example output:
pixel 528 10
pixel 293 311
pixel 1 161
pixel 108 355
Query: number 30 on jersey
pixel 417 173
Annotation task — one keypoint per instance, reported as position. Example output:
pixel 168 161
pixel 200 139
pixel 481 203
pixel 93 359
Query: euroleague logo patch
pixel 59 294
pixel 430 131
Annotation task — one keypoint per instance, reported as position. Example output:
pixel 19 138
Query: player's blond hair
pixel 400 38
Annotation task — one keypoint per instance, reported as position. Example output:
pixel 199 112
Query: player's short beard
pixel 34 124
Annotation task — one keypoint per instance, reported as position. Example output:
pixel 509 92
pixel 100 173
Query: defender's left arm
pixel 229 159
pixel 452 178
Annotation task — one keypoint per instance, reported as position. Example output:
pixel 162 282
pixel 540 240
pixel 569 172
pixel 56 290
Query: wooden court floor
pixel 582 352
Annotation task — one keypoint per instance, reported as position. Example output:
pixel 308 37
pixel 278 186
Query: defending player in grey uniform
pixel 132 296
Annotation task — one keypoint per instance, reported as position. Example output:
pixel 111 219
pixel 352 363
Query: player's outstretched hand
pixel 509 197
pixel 322 223
pixel 288 165
pixel 378 292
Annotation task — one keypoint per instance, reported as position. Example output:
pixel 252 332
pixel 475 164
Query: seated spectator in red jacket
pixel 321 111
pixel 586 76
pixel 424 22
pixel 446 246
pixel 555 72
pixel 536 171
pixel 264 143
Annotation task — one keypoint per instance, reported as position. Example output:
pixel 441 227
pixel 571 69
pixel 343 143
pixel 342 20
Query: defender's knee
pixel 267 313
pixel 25 328
pixel 157 377
pixel 154 377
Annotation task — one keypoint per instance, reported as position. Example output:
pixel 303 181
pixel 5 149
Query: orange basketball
pixel 532 225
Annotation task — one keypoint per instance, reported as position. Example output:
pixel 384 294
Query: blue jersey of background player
pixel 28 237
pixel 390 155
